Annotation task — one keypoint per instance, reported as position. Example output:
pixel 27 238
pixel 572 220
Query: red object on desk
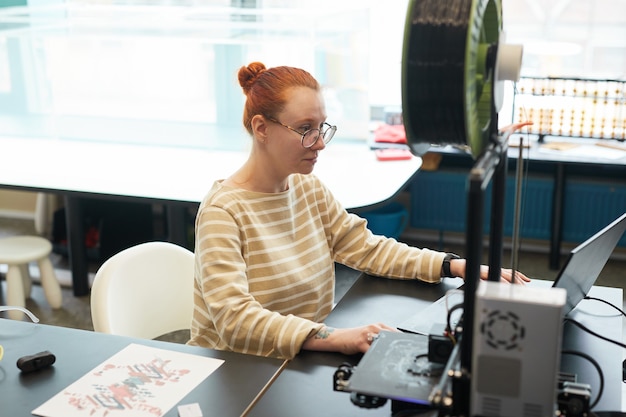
pixel 390 134
pixel 392 154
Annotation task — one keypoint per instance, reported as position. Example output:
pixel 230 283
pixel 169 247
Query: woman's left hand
pixel 506 275
pixel 457 267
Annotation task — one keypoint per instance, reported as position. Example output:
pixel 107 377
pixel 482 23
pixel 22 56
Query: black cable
pixel 598 368
pixel 607 303
pixel 589 358
pixel 591 332
pixel 449 318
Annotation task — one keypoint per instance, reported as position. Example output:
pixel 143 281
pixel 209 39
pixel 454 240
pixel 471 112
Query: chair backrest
pixel 144 291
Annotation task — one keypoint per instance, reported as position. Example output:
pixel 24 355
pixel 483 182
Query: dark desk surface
pixel 305 387
pixel 226 392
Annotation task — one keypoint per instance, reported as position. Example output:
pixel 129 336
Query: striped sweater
pixel 264 265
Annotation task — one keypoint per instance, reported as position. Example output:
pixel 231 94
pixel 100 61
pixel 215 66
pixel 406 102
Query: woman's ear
pixel 259 128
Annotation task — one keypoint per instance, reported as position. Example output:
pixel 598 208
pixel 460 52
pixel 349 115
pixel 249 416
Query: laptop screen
pixel 585 262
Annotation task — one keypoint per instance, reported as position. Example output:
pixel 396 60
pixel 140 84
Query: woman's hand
pixel 457 267
pixel 506 275
pixel 347 341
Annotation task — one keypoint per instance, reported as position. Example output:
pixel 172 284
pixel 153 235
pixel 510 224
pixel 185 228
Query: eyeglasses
pixel 310 137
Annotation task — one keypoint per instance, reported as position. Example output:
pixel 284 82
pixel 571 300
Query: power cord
pixel 607 303
pixel 598 368
pixel 591 332
pixel 451 333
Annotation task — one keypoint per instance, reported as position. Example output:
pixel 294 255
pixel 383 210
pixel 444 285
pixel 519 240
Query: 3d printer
pixel 454 67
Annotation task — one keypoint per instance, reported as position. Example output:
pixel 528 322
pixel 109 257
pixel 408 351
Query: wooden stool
pixel 17 252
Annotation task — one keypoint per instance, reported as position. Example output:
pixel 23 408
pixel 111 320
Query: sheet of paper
pixel 137 381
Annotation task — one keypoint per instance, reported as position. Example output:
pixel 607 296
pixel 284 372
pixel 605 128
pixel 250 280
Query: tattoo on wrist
pixel 324 332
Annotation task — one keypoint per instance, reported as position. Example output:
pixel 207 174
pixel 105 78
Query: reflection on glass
pixel 166 74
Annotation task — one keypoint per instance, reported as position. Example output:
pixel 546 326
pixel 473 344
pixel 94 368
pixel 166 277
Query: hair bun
pixel 248 75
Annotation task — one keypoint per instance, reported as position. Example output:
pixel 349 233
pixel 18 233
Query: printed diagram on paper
pixel 138 381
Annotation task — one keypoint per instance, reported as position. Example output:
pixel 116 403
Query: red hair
pixel 265 89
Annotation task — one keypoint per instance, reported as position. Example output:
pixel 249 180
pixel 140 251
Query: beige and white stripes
pixel 265 265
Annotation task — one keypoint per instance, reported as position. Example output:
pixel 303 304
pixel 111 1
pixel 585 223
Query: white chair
pixel 18 252
pixel 144 291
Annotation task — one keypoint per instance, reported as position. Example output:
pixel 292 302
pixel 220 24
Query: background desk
pixel 176 177
pixel 305 387
pixel 226 392
pixel 568 195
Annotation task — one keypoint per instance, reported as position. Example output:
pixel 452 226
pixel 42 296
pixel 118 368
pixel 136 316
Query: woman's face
pixel 304 110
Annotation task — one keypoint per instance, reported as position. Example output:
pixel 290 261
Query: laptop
pixel 577 276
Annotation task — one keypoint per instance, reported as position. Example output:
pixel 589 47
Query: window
pixel 164 71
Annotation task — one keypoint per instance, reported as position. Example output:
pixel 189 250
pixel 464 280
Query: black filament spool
pixel 446 82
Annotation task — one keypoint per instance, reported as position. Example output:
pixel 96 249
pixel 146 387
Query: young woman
pixel 268 236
